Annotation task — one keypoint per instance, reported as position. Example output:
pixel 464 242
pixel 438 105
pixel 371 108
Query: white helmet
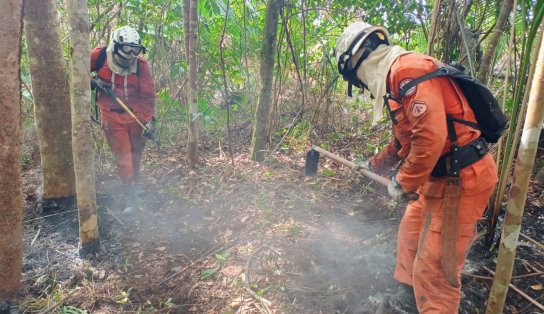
pixel 358 36
pixel 126 35
pixel 353 37
pixel 127 42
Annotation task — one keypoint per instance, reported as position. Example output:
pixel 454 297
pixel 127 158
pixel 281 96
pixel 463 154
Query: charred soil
pixel 248 238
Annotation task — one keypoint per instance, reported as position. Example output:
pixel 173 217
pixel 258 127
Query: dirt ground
pixel 247 238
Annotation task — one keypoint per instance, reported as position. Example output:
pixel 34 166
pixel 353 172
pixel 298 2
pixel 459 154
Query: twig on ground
pixel 54 306
pixel 538 244
pixel 521 293
pixel 247 286
pixel 258 297
pixel 43 217
pixel 513 277
pixel 35 237
pixel 115 217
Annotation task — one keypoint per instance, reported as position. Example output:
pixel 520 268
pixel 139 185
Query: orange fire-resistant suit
pixel 123 134
pixel 421 137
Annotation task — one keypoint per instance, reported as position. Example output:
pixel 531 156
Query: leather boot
pixel 402 302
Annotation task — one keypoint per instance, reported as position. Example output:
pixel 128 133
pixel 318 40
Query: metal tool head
pixel 312 160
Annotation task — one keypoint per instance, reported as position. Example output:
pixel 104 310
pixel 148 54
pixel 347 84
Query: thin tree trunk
pixel 11 189
pixel 434 26
pixel 226 95
pixel 192 143
pixel 51 94
pixel 483 72
pixel 78 19
pixel 518 193
pixel 261 127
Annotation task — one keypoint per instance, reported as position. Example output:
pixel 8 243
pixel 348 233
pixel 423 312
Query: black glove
pixel 102 87
pixel 150 128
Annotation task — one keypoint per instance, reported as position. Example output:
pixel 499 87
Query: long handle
pixel 130 113
pixel 369 174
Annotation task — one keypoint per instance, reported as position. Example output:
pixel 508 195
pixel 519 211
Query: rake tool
pixel 312 159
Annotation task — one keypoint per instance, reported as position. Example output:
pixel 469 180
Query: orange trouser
pixel 418 249
pixel 127 145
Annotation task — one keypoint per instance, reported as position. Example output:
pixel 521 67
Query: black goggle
pixel 131 49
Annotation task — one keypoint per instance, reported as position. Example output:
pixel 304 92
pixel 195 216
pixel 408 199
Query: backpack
pixel 491 121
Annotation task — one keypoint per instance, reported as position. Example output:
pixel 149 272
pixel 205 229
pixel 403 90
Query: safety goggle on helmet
pixel 127 42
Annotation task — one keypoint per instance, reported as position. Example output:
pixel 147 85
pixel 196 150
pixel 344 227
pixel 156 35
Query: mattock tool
pixel 312 160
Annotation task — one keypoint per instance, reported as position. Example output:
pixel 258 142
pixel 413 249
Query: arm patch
pixel 418 108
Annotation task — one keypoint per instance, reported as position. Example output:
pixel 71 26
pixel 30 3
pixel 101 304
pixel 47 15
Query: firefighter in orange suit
pixel 437 229
pixel 120 68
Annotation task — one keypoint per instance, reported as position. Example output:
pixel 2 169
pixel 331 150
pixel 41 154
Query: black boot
pixel 402 302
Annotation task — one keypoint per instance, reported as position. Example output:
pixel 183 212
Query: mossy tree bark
pixel 261 127
pixel 51 94
pixel 518 193
pixel 78 20
pixel 11 190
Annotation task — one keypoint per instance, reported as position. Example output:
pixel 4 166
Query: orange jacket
pixel 421 134
pixel 137 91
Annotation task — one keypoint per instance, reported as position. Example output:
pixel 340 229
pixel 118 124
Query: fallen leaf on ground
pixel 232 270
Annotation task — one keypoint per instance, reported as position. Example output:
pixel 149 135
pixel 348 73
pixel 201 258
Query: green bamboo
pixel 518 192
pixel 518 106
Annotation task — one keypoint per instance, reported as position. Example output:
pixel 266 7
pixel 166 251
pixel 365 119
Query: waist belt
pixel 119 110
pixel 459 158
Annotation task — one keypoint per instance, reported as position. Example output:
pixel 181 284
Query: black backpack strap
pixel 467 123
pixel 389 111
pixel 101 58
pixel 439 72
pixel 451 128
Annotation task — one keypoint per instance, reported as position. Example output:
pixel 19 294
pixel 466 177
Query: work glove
pixel 150 129
pixel 397 193
pixel 102 86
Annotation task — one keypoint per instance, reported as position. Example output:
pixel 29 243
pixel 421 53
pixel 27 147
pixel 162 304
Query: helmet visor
pixel 131 49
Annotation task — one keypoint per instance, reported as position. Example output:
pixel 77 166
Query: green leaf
pixel 328 172
pixel 223 256
pixel 208 273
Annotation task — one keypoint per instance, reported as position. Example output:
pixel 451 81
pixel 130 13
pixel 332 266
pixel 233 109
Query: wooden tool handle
pixel 131 114
pixel 369 174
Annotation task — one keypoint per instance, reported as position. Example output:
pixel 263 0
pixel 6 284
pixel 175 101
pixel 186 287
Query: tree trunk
pixel 11 190
pixel 434 26
pixel 483 72
pixel 192 143
pixel 261 127
pixel 51 102
pixel 78 20
pixel 518 193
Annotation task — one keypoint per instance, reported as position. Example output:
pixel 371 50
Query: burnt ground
pixel 247 238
